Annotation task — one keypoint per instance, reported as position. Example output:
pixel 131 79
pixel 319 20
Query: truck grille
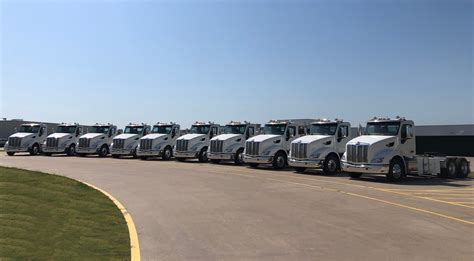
pixel 52 142
pixel 14 142
pixel 217 145
pixel 299 150
pixel 252 147
pixel 182 145
pixel 357 153
pixel 145 144
pixel 84 143
pixel 118 143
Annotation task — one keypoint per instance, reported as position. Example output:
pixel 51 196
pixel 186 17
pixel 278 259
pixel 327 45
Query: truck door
pixel 407 141
pixel 289 137
pixel 342 137
pixel 250 132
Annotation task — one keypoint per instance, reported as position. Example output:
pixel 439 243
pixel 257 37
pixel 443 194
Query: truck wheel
pixel 180 159
pixel 48 154
pixel 203 156
pixel 81 154
pixel 115 156
pixel 215 161
pixel 355 175
pixel 279 161
pixel 331 165
pixel 239 157
pixel 462 168
pixel 300 169
pixel 253 165
pixel 167 154
pixel 396 172
pixel 103 151
pixel 34 150
pixel 71 151
pixel 450 171
pixel 10 153
pixel 143 157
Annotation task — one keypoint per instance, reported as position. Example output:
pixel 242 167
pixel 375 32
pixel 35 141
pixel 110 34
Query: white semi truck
pixel 273 146
pixel 322 148
pixel 29 138
pixel 97 141
pixel 126 144
pixel 196 143
pixel 64 139
pixel 160 142
pixel 231 144
pixel 388 147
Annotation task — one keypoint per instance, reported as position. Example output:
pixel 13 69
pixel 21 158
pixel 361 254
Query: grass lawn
pixel 471 175
pixel 45 216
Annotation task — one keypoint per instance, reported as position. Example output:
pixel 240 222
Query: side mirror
pixel 287 135
pixel 120 131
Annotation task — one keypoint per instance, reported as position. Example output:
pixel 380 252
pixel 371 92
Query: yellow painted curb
pixel 132 231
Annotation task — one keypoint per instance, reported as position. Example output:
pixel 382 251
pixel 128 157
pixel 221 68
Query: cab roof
pixel 387 119
pixel 165 124
pixel 131 124
pixel 327 121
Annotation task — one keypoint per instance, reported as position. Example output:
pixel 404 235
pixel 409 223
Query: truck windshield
pixel 100 129
pixel 200 129
pixel 323 129
pixel 275 129
pixel 29 129
pixel 382 128
pixel 133 130
pixel 161 129
pixel 235 129
pixel 66 129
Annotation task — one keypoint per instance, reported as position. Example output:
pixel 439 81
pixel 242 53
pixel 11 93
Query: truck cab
pixel 389 147
pixel 160 141
pixel 97 141
pixel 273 146
pixel 29 138
pixel 64 139
pixel 126 143
pixel 231 144
pixel 322 148
pixel 196 143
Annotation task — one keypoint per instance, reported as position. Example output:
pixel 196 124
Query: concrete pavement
pixel 223 212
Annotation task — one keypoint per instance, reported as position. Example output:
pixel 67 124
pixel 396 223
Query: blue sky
pixel 148 61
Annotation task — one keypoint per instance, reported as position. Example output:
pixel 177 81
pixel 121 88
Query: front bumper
pixel 16 149
pixel 365 168
pixel 185 154
pixel 54 150
pixel 87 150
pixel 221 156
pixel 258 159
pixel 151 153
pixel 317 164
pixel 123 152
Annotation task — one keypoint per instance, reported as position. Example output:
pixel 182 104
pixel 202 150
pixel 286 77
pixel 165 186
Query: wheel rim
pixel 332 165
pixel 167 153
pixel 240 157
pixel 35 149
pixel 72 149
pixel 396 171
pixel 204 155
pixel 104 151
pixel 451 169
pixel 464 168
pixel 280 161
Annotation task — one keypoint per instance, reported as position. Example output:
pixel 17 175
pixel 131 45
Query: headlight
pixel 343 156
pixel 267 152
pixel 377 160
pixel 6 143
pixel 112 145
pixel 228 149
pixel 315 155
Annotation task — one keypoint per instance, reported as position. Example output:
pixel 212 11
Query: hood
pixel 92 135
pixel 312 138
pixel 21 135
pixel 264 137
pixel 59 135
pixel 371 139
pixel 191 136
pixel 226 136
pixel 126 136
pixel 154 136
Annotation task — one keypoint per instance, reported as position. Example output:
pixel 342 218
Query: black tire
pixel 134 154
pixel 103 151
pixel 300 169
pixel 167 154
pixel 462 168
pixel 449 172
pixel 355 175
pixel 71 151
pixel 239 158
pixel 253 165
pixel 35 150
pixel 180 159
pixel 396 171
pixel 10 153
pixel 143 157
pixel 48 154
pixel 331 165
pixel 279 161
pixel 215 161
pixel 203 155
pixel 115 156
pixel 80 154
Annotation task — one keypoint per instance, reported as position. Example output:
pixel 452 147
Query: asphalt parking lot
pixel 203 211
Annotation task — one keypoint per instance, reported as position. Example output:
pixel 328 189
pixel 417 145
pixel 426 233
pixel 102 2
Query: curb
pixel 132 231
